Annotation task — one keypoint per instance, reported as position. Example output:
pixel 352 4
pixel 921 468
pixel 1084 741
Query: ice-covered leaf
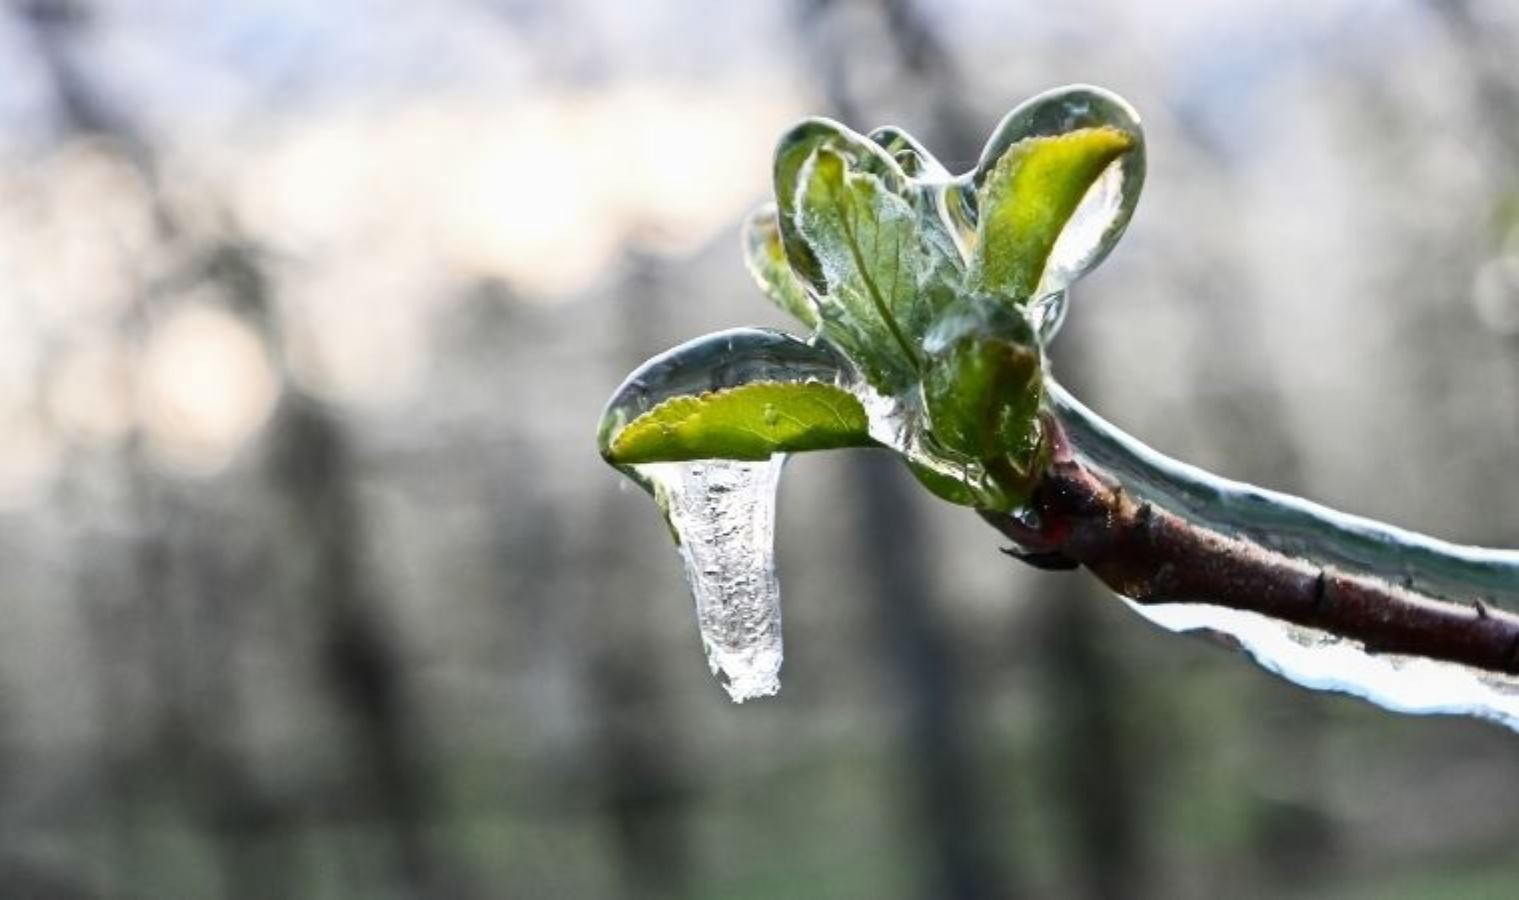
pixel 1104 209
pixel 982 387
pixel 766 258
pixel 753 421
pixel 1028 200
pixel 745 393
pixel 912 157
pixel 947 486
pixel 869 243
pixel 793 153
pixel 941 272
pixel 865 239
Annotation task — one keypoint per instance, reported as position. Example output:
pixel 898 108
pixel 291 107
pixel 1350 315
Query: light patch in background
pixel 88 391
pixel 29 458
pixel 1495 289
pixel 357 328
pixel 206 386
pixel 76 230
pixel 540 192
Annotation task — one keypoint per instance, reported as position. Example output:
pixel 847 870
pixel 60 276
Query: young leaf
pixel 949 488
pixel 1104 212
pixel 750 422
pixel 744 393
pixel 982 386
pixel 766 258
pixel 1027 201
pixel 865 240
pixel 793 153
pixel 982 484
pixel 941 275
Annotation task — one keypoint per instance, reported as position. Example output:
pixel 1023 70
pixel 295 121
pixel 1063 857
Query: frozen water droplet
pixel 723 514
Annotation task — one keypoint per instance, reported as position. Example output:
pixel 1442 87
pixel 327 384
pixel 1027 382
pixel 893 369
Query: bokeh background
pixel 312 583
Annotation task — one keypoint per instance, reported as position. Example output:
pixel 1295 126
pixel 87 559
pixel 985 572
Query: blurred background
pixel 312 583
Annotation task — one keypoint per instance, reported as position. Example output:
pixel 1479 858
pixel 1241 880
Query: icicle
pixel 723 516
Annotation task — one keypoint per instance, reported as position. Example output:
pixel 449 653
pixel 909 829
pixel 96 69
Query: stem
pixel 1157 531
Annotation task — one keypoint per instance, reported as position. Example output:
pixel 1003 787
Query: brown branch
pixel 1153 556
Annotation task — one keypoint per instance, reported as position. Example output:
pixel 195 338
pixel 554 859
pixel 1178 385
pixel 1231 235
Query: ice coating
pixel 1047 314
pixel 1325 662
pixel 723 515
pixel 1095 226
pixel 723 512
pixel 1304 530
pixel 1104 212
pixel 719 360
pixel 897 421
pixel 1289 524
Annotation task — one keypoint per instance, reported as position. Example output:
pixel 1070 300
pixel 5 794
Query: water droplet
pixel 771 414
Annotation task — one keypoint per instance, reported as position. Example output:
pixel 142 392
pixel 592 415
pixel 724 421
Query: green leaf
pixel 1109 204
pixel 861 225
pixel 1028 198
pixel 941 275
pixel 748 422
pixel 713 364
pixel 982 388
pixel 793 153
pixel 945 487
pixel 766 258
pixel 865 240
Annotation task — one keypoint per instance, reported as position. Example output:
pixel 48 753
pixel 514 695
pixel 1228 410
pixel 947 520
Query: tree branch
pixel 1152 556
